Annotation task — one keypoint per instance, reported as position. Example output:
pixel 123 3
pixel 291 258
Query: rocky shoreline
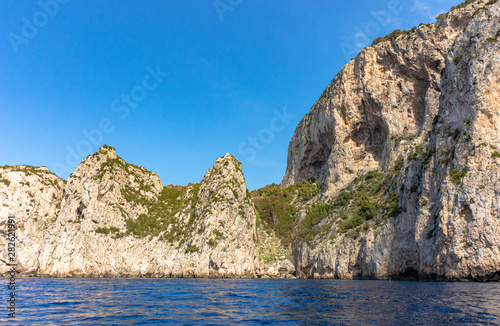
pixel 394 174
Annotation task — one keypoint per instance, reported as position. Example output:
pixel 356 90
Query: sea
pixel 81 301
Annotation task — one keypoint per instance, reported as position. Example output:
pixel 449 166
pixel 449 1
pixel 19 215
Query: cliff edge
pixel 404 143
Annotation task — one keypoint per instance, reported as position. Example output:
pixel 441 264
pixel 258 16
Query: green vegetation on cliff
pixel 41 172
pixel 277 206
pixel 161 218
pixel 365 203
pixel 296 212
pixel 5 181
pixel 390 36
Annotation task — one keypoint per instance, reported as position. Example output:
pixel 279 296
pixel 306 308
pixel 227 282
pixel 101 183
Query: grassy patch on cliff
pixel 162 216
pixel 111 165
pixel 217 235
pixel 5 182
pixel 456 176
pixel 277 206
pixel 106 230
pixel 192 249
pixel 393 35
pixel 463 4
pixel 34 170
pixel 365 203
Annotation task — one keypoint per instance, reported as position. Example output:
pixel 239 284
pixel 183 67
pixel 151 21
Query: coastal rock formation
pixel 393 174
pixel 422 108
pixel 389 90
pixel 117 219
pixel 33 196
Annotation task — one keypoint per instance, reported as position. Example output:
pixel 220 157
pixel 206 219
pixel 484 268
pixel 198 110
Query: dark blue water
pixel 251 302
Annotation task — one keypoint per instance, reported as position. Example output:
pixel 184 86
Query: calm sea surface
pixel 250 302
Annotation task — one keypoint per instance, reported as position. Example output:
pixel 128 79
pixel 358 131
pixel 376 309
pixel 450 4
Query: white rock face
pixel 427 101
pixel 389 90
pixel 449 228
pixel 117 219
pixel 33 196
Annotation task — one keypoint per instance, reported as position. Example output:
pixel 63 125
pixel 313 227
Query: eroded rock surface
pixel 394 173
pixel 430 99
pixel 117 219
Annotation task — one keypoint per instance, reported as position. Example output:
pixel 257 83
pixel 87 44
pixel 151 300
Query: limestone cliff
pixel 33 195
pixel 116 219
pixel 422 109
pixel 394 173
pixel 389 91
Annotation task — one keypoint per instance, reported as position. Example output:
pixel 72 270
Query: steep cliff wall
pixel 389 91
pixel 33 195
pixel 394 173
pixel 423 110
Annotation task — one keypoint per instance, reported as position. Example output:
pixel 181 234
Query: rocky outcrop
pixel 428 103
pixel 274 256
pixel 33 196
pixel 226 221
pixel 116 219
pixel 389 91
pixel 394 173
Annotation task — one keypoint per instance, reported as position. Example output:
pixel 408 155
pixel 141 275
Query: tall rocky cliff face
pixel 394 173
pixel 33 196
pixel 422 109
pixel 390 90
pixel 116 219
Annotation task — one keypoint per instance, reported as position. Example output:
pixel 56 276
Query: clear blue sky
pixel 231 64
